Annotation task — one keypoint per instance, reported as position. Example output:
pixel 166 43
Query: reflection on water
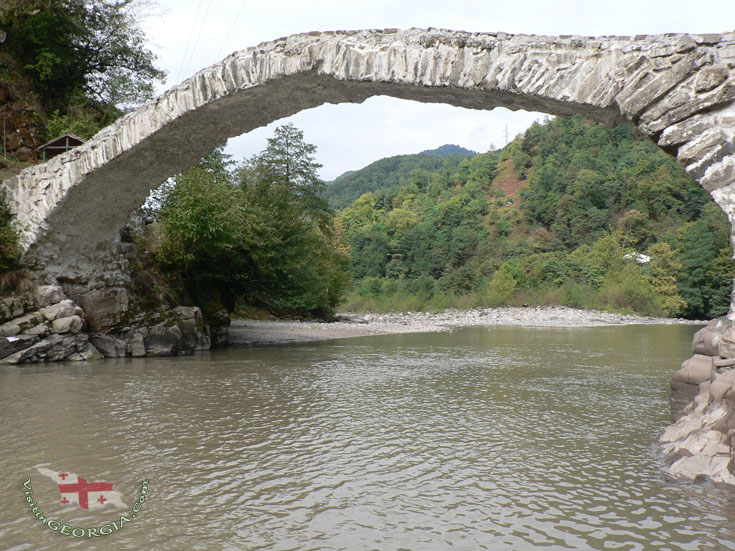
pixel 508 438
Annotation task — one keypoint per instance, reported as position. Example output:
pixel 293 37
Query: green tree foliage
pixel 256 234
pixel 664 269
pixel 9 253
pixel 393 172
pixel 592 200
pixel 82 54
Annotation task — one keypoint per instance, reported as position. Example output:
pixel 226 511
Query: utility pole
pixel 5 149
pixel 507 141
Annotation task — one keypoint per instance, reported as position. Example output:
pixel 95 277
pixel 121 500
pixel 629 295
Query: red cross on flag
pixel 88 495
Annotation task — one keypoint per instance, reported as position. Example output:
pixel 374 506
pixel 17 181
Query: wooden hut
pixel 59 145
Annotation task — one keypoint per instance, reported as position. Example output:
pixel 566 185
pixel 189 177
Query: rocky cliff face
pixel 702 440
pixel 83 320
pixel 45 325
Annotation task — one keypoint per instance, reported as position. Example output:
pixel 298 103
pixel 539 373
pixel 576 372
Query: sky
pixel 189 35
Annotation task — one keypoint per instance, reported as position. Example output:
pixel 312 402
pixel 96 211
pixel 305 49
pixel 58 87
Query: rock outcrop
pixel 702 440
pixel 43 326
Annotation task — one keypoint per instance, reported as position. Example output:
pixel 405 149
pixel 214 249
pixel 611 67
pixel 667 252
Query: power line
pixel 242 5
pixel 188 42
pixel 199 35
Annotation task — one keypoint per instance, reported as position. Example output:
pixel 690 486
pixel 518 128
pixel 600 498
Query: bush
pixel 501 287
pixel 628 289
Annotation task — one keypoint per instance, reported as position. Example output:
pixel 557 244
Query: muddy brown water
pixel 502 438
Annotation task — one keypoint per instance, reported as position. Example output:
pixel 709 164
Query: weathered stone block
pixel 710 78
pixel 71 324
pixel 62 309
pixel 47 295
pixel 701 146
pixel 684 44
pixel 707 340
pixel 104 308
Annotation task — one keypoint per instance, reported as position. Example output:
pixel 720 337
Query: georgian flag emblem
pixel 88 495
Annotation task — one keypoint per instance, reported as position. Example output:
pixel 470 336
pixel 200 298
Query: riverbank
pixel 258 332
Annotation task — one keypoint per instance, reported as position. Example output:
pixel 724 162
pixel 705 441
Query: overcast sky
pixel 189 35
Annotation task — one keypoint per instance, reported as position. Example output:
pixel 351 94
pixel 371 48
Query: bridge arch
pixel 679 90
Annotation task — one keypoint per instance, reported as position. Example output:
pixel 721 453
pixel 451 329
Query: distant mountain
pixel 449 149
pixel 392 171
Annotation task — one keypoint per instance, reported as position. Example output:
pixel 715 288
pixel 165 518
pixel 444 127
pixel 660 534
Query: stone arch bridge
pixel 677 89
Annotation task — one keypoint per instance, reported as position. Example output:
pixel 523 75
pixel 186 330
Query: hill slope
pixel 558 217
pixel 393 171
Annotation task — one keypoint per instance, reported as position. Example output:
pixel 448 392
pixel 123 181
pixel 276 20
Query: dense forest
pixel 391 172
pixel 570 213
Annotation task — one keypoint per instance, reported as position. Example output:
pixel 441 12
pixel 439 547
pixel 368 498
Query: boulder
pixel 62 309
pixel 726 346
pixel 104 308
pixel 46 295
pixel 11 345
pixel 108 346
pixel 89 353
pixel 682 394
pixel 190 322
pixel 162 340
pixel 71 324
pixel 41 330
pixel 9 329
pixel 707 340
pixel 53 348
pixel 137 346
pixel 685 382
pixel 12 307
pixel 695 370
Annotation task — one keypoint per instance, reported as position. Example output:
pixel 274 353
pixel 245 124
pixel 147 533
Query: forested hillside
pixel 571 213
pixel 391 172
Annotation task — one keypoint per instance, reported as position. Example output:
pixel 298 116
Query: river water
pixel 502 438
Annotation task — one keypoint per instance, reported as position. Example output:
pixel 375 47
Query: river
pixel 503 438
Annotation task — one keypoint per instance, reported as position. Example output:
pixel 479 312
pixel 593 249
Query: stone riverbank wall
pixel 701 442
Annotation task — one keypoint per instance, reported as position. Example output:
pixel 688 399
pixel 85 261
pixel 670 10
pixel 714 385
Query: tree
pixel 664 268
pixel 249 235
pixel 83 51
pixel 289 162
pixel 203 222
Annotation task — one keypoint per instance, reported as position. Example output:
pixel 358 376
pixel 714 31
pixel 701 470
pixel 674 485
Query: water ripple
pixel 509 439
